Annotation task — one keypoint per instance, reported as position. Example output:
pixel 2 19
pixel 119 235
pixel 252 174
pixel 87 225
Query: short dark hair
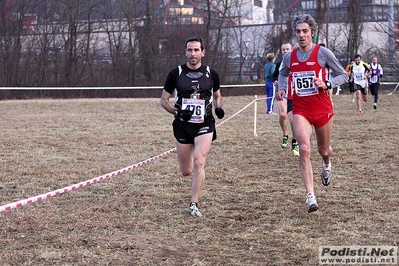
pixel 357 56
pixel 195 39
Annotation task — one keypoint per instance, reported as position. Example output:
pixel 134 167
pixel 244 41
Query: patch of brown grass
pixel 253 200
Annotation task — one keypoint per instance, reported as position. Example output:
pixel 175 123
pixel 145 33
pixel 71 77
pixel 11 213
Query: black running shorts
pixel 289 105
pixel 358 87
pixel 185 132
pixel 351 86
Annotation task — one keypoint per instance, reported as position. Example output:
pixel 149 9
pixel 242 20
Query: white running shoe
pixel 295 149
pixel 193 210
pixel 326 174
pixel 312 203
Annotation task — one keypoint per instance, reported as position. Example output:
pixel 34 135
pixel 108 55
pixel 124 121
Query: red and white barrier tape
pixel 237 113
pixel 99 178
pixel 80 185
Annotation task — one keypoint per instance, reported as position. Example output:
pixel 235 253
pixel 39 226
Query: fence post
pixel 255 112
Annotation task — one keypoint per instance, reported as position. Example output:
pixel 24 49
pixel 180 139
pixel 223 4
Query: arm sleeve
pixel 327 59
pixel 284 71
pixel 272 70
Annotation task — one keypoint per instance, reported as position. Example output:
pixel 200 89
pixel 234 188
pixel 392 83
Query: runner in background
pixel 285 107
pixel 350 81
pixel 375 79
pixel 360 72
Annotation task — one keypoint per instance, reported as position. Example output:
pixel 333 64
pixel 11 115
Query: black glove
pixel 219 112
pixel 184 115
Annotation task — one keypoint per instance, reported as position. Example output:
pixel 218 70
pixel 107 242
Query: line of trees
pixel 127 43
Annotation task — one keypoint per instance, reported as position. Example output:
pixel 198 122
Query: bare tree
pixel 355 27
pixel 72 15
pixel 321 19
pixel 240 35
pixel 147 46
pixel 129 13
pixel 47 50
pixel 12 17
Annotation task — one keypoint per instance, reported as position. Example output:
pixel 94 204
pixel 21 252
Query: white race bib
pixel 358 76
pixel 303 83
pixel 196 105
pixel 374 79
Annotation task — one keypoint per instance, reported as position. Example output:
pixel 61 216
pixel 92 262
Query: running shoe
pixel 284 143
pixel 375 106
pixel 326 174
pixel 312 203
pixel 295 149
pixel 193 210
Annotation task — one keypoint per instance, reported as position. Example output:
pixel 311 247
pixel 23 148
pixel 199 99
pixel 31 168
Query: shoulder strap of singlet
pixel 175 91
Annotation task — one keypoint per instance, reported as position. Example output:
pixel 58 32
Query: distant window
pixel 181 11
pixel 335 3
pixel 258 3
pixel 197 20
pixel 308 5
pixel 312 4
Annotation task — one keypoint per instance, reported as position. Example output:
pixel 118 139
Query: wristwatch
pixel 328 84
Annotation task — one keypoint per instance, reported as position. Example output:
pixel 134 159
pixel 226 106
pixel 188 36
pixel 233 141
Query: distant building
pixel 373 10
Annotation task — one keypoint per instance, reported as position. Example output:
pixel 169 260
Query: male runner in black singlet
pixel 196 88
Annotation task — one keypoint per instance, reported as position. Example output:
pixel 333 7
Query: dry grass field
pixel 253 201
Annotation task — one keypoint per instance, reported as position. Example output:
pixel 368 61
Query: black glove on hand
pixel 184 115
pixel 219 112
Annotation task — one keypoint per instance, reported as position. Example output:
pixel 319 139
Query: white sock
pixel 326 166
